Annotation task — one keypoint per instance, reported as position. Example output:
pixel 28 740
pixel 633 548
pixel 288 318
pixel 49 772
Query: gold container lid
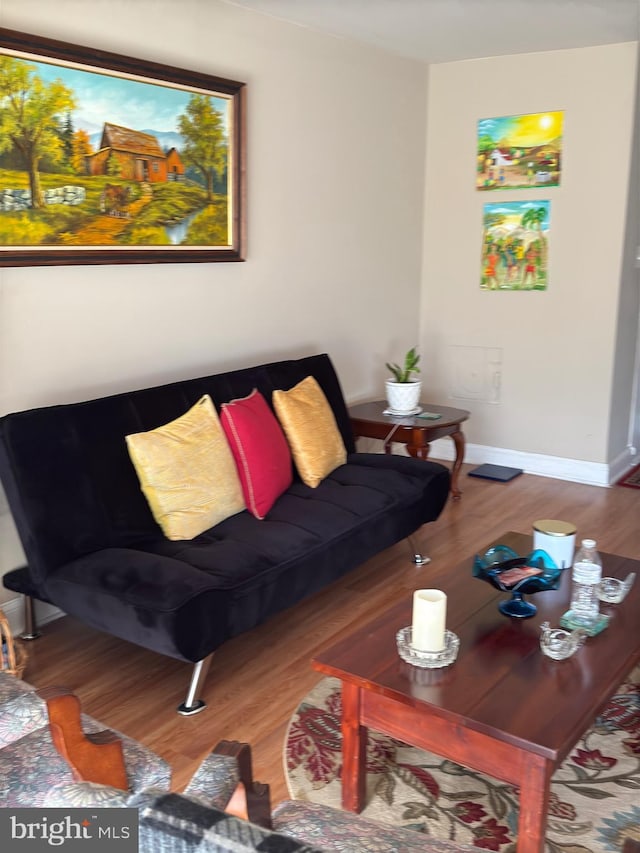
pixel 553 527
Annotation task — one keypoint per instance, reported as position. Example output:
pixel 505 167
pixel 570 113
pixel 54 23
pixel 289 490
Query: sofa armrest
pixel 147 590
pixel 96 757
pixel 106 757
pixel 225 779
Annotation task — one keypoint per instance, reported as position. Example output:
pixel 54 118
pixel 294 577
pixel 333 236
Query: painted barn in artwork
pixel 135 156
pixel 175 166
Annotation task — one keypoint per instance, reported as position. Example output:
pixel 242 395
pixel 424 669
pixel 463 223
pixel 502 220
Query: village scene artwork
pixel 520 151
pixel 94 159
pixel 515 245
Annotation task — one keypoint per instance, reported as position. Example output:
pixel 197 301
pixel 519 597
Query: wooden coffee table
pixel 502 708
pixel 368 421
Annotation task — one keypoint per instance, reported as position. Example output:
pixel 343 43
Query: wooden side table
pixel 368 421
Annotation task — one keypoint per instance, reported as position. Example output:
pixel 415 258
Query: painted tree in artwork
pixel 534 218
pixel 66 134
pixel 80 148
pixel 114 166
pixel 30 112
pixel 205 145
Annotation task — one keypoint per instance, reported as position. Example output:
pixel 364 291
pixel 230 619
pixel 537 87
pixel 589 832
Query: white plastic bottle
pixel 585 577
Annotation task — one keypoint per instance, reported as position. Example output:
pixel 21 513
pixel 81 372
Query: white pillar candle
pixel 429 618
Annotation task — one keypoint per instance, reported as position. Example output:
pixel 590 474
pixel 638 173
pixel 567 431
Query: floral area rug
pixel 595 793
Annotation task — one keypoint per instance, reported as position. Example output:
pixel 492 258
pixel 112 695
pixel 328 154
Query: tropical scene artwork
pixel 92 159
pixel 519 151
pixel 515 245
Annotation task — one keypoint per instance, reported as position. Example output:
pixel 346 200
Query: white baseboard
pixel 14 611
pixel 623 463
pixel 559 468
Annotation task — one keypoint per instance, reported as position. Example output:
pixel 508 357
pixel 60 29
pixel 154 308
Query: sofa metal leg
pixel 30 628
pixel 191 705
pixel 416 557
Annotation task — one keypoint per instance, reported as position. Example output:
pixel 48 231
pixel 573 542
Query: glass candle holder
pixel 427 660
pixel 613 590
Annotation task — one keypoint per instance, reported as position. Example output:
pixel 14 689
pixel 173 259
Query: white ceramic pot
pixel 403 397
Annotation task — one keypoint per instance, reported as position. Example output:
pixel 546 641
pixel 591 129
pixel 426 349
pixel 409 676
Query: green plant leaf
pixel 403 374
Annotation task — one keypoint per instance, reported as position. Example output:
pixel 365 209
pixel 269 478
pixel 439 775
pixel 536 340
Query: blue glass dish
pixel 497 561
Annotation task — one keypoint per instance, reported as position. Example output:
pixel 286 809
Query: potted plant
pixel 403 392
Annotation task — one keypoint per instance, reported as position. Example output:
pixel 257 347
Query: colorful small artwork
pixel 519 151
pixel 515 245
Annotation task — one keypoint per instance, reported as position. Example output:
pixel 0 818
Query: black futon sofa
pixel 94 549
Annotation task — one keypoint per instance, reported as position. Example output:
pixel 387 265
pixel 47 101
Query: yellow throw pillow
pixel 187 473
pixel 311 430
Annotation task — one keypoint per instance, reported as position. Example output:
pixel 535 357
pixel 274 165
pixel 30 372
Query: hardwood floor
pixel 256 680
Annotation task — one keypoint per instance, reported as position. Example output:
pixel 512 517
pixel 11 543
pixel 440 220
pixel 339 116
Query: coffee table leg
pixel 354 745
pixel 534 804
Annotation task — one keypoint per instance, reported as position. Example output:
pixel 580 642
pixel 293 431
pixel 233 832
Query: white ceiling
pixel 451 30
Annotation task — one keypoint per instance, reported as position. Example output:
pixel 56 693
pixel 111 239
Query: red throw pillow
pixel 260 450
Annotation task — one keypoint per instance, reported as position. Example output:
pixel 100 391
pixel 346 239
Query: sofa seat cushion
pixel 83 795
pixel 13 688
pixel 29 767
pixel 234 576
pixel 21 710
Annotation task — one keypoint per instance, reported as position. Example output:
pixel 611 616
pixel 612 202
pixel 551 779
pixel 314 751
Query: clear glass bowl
pixel 613 591
pixel 559 644
pixel 427 660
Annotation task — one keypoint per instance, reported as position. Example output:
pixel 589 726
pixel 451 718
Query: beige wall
pixel 558 346
pixel 336 170
pixel 336 136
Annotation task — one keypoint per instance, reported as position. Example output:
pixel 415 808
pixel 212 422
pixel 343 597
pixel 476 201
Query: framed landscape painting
pixel 107 159
pixel 515 245
pixel 523 151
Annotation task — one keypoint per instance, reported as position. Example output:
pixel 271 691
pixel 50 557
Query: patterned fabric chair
pixel 196 821
pixel 208 817
pixel 30 765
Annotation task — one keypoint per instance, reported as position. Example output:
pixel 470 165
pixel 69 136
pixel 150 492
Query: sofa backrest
pixel 171 823
pixel 66 470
